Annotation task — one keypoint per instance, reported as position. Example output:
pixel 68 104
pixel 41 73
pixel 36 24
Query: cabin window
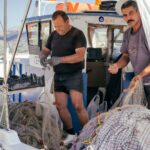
pixel 117 41
pixel 33 34
pixel 106 37
pixel 98 36
pixel 45 31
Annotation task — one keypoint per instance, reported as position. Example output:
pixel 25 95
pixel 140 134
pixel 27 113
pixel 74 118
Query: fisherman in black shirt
pixel 67 46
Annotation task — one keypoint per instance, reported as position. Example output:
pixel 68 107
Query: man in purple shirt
pixel 134 47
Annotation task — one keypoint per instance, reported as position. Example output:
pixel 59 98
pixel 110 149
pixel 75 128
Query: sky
pixel 16 10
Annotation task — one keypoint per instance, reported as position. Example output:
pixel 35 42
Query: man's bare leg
pixel 61 104
pixel 77 101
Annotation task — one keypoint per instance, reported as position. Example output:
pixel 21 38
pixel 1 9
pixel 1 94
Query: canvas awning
pixel 144 8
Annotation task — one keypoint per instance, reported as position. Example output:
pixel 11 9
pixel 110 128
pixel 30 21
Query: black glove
pixel 43 59
pixel 53 61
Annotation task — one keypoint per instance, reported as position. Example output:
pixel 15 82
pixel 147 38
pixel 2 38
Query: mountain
pixel 12 39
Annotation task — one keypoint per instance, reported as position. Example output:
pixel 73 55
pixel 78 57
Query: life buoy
pixel 77 7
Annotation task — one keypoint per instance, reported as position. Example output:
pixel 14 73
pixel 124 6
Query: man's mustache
pixel 130 21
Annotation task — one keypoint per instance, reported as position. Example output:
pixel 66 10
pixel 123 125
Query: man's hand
pixel 43 59
pixel 54 61
pixel 133 82
pixel 113 68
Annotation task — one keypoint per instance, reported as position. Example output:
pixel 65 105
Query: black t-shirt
pixel 64 46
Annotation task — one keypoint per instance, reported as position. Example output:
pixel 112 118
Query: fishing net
pixel 135 96
pixel 122 128
pixel 33 129
pixel 4 122
pixel 38 123
pixel 126 127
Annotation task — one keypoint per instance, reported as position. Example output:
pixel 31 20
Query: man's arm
pixel 45 51
pixel 121 63
pixel 77 57
pixel 144 73
pixel 43 56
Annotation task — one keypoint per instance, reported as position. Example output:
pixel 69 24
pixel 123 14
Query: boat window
pixel 33 29
pixel 106 37
pixel 97 37
pixel 45 31
pixel 117 40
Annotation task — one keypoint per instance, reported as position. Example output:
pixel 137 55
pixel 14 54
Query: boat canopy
pixel 144 8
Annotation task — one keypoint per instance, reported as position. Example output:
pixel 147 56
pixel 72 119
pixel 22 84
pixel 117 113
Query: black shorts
pixel 67 82
pixel 147 93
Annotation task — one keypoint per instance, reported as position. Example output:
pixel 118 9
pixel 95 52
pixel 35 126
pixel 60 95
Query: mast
pixel 5 39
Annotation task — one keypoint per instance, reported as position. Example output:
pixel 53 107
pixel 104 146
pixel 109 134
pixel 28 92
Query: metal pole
pixel 19 36
pixel 39 7
pixel 5 123
pixel 5 39
pixel 65 5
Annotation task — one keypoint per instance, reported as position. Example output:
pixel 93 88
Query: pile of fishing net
pixel 39 129
pixel 124 127
pixel 38 123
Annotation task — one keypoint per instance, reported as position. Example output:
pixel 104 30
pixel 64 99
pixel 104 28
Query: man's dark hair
pixel 60 13
pixel 130 3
